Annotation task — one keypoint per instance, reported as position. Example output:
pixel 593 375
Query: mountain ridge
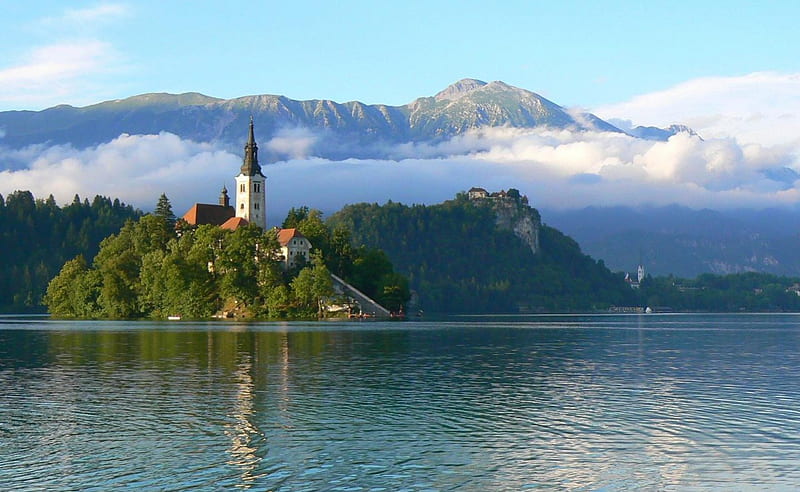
pixel 350 129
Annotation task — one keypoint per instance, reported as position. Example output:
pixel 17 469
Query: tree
pixel 393 292
pixel 164 209
pixel 311 286
pixel 294 217
pixel 315 230
pixel 60 298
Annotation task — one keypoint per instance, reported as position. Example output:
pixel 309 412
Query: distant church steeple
pixel 224 200
pixel 251 193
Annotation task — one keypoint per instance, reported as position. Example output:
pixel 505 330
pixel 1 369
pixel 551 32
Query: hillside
pixel 464 256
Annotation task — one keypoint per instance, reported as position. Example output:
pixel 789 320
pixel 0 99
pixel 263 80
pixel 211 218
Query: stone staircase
pixel 368 306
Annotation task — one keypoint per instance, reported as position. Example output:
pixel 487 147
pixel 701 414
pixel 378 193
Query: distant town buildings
pixel 639 277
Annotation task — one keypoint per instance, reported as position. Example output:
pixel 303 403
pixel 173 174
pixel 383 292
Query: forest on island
pixel 37 237
pixel 150 269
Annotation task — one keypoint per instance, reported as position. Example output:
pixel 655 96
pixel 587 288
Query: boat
pixel 173 318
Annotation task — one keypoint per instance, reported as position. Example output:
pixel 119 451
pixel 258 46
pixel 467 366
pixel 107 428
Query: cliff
pixel 515 215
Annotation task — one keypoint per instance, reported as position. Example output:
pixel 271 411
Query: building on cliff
pixel 512 213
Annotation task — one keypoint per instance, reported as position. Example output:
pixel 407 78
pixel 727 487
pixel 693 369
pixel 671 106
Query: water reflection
pixel 559 402
pixel 242 430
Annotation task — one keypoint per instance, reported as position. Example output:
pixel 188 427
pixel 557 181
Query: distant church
pixel 251 207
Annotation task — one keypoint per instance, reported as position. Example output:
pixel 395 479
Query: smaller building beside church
pixel 206 213
pixel 295 247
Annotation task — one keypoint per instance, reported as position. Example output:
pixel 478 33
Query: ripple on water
pixel 607 402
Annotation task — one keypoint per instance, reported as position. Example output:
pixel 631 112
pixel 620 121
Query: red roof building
pixel 234 223
pixel 295 247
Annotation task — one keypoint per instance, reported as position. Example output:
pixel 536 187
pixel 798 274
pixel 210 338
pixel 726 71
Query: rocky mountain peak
pixel 459 89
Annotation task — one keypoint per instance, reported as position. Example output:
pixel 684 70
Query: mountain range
pixel 344 130
pixel 667 240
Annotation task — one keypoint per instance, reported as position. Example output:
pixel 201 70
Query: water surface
pixel 570 402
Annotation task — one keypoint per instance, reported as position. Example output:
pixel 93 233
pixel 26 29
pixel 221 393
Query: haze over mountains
pixel 326 154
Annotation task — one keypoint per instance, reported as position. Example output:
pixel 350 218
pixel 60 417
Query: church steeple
pixel 250 166
pixel 251 193
pixel 224 200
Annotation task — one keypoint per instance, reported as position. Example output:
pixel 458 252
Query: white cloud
pixel 55 73
pixel 556 169
pixel 134 168
pixel 292 142
pixel 71 64
pixel 761 107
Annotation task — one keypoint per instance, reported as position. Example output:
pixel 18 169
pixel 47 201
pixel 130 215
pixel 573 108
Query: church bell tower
pixel 251 193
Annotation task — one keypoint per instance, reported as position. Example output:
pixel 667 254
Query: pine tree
pixel 164 209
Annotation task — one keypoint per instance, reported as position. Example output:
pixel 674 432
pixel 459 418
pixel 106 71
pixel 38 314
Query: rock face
pixel 514 214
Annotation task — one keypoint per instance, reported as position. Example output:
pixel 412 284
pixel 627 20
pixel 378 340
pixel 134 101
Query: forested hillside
pixel 457 260
pixel 37 237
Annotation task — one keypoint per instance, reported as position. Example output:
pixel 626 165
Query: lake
pixel 655 402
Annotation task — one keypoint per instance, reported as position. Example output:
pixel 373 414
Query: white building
pixel 251 186
pixel 295 247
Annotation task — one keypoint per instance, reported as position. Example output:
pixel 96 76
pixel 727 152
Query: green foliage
pixel 61 292
pixel 37 237
pixel 457 260
pixel 294 217
pixel 164 209
pixel 146 270
pixel 311 286
pixel 722 293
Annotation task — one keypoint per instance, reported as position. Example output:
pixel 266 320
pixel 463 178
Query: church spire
pixel 250 165
pixel 224 199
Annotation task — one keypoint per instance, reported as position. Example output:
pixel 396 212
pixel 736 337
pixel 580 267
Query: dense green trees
pixel 724 293
pixel 37 237
pixel 457 260
pixel 147 270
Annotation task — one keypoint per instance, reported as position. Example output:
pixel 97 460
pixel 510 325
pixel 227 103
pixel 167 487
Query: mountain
pixel 660 134
pixel 685 242
pixel 350 129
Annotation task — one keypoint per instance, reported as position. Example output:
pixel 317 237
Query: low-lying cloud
pixel 758 107
pixel 555 168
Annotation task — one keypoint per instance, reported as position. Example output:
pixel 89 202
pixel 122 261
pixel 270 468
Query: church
pixel 250 207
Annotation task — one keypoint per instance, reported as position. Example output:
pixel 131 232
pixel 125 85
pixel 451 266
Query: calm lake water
pixel 570 402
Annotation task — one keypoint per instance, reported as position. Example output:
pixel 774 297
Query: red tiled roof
pixel 234 223
pixel 286 235
pixel 203 213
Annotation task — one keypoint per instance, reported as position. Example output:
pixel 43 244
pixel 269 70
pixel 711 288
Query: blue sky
pixel 578 53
